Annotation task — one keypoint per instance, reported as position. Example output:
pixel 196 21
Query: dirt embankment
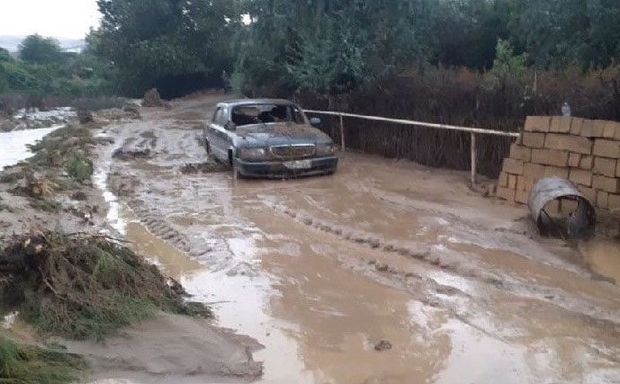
pixel 64 272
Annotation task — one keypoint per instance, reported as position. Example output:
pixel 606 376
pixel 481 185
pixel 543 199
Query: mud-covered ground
pixel 387 272
pixel 167 345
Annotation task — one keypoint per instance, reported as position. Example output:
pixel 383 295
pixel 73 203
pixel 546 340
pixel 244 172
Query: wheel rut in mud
pixel 327 268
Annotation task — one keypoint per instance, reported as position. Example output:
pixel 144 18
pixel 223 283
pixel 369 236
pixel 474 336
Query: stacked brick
pixel 587 152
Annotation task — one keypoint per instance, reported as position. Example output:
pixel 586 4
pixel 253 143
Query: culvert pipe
pixel 578 224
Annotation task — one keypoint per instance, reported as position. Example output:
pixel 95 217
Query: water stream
pixel 14 145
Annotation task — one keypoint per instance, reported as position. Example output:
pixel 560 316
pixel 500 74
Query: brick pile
pixel 586 152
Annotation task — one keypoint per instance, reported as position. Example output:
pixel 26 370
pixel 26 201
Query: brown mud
pixel 166 346
pixel 322 270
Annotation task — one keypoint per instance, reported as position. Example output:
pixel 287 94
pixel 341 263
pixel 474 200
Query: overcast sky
pixel 57 18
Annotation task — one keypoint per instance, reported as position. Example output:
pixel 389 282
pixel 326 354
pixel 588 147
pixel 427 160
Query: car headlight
pixel 252 153
pixel 325 149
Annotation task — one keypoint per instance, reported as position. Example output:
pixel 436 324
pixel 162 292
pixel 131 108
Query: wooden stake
pixel 342 142
pixel 474 159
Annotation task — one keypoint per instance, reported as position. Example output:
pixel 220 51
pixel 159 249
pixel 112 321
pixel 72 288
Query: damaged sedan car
pixel 269 138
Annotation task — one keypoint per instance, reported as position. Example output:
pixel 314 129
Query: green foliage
pixel 557 33
pixel 5 56
pixel 328 46
pixel 154 40
pixel 80 168
pixel 85 286
pixel 43 69
pixel 22 364
pixel 507 66
pixel 36 49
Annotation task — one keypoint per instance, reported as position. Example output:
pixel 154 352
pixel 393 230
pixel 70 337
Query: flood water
pixel 603 256
pixel 14 145
pixel 321 270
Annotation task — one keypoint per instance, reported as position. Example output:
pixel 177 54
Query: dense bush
pixel 44 71
pixel 464 97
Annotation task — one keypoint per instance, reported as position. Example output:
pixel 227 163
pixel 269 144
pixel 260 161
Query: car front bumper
pixel 284 169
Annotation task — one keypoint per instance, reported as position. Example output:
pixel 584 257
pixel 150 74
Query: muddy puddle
pixel 603 257
pixel 14 145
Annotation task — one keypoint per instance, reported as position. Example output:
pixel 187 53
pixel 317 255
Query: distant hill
pixel 11 43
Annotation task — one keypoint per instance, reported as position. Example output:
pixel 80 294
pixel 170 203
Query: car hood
pixel 281 134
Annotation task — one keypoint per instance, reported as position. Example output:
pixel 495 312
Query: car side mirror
pixel 230 126
pixel 315 122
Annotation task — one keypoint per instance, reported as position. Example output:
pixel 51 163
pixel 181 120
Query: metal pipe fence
pixel 472 131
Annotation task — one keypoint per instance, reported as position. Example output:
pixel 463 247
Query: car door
pixel 217 135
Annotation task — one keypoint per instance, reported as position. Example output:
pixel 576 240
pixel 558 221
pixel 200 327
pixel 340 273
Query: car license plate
pixel 298 164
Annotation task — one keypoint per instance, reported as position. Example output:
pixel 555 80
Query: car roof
pixel 238 102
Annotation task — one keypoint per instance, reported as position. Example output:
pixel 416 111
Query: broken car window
pixel 266 113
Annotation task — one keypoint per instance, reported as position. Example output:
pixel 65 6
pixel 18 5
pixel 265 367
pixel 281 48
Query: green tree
pixel 331 46
pixel 557 33
pixel 36 49
pixel 5 56
pixel 150 41
pixel 4 82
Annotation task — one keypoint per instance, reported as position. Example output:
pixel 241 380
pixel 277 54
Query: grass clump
pixel 83 286
pixel 80 168
pixel 60 147
pixel 23 364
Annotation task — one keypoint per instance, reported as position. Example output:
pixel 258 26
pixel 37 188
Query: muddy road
pixel 387 272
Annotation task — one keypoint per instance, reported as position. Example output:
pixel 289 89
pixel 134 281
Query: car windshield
pixel 266 113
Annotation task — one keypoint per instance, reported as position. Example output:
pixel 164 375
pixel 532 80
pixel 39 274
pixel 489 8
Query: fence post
pixel 474 159
pixel 342 142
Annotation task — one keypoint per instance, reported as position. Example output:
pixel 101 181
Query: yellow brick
pixel 587 162
pixel 537 123
pixel 550 157
pixel 512 181
pixel 613 202
pixel 606 148
pixel 524 183
pixel 533 171
pixel 503 180
pixel 588 193
pixel 576 144
pixel 533 139
pixel 573 160
pixel 617 130
pixel 560 124
pixel 607 184
pixel 581 177
pixel 520 152
pixel 521 197
pixel 506 194
pixel 605 166
pixel 602 199
pixel 593 128
pixel 553 207
pixel 568 206
pixel 556 171
pixel 576 126
pixel 513 166
pixel 609 132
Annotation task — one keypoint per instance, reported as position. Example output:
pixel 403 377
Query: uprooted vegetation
pixel 25 364
pixel 83 286
pixel 61 162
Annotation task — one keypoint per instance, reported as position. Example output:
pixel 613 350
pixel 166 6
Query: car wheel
pixel 236 174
